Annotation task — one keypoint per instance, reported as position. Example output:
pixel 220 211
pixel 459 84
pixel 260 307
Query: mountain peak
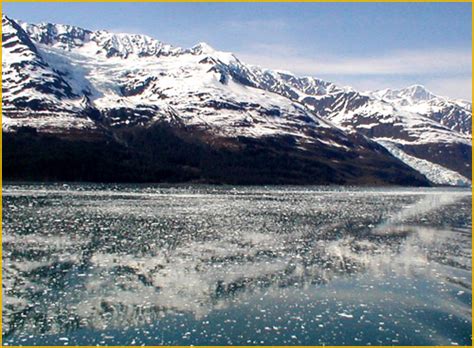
pixel 411 94
pixel 202 48
pixel 123 45
pixel 63 36
pixel 7 21
pixel 417 92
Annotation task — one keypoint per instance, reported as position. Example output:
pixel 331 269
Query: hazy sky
pixel 367 46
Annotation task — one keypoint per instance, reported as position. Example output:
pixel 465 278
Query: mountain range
pixel 101 106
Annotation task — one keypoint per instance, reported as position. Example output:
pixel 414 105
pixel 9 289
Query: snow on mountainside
pixel 31 86
pixel 165 82
pixel 63 79
pixel 360 111
pixel 453 113
pixel 431 135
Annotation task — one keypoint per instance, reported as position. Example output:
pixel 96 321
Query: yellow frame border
pixel 243 1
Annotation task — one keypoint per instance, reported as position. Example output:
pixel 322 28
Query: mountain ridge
pixel 98 88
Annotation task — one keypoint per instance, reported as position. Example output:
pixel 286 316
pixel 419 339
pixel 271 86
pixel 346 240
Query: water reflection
pixel 100 259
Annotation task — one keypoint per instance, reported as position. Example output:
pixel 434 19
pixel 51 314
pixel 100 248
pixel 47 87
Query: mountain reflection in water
pixel 92 264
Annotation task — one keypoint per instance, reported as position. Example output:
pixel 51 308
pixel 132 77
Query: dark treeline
pixel 163 154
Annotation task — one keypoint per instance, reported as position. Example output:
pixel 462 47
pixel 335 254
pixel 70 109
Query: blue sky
pixel 367 46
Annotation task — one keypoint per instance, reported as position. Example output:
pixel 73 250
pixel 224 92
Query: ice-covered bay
pixel 204 265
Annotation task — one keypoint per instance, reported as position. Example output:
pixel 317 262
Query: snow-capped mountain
pixel 432 128
pixel 78 84
pixel 453 113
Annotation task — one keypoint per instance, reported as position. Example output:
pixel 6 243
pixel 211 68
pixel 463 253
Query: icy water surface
pixel 133 265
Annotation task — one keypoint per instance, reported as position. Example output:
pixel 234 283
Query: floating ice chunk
pixel 345 315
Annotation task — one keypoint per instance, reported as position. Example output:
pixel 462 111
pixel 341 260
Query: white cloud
pixel 444 71
pixel 458 87
pixel 453 87
pixel 397 62
pixel 256 24
pixel 128 30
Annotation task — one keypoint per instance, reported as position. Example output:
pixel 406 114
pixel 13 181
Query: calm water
pixel 133 265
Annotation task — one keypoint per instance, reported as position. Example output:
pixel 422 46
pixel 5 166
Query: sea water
pixel 87 264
